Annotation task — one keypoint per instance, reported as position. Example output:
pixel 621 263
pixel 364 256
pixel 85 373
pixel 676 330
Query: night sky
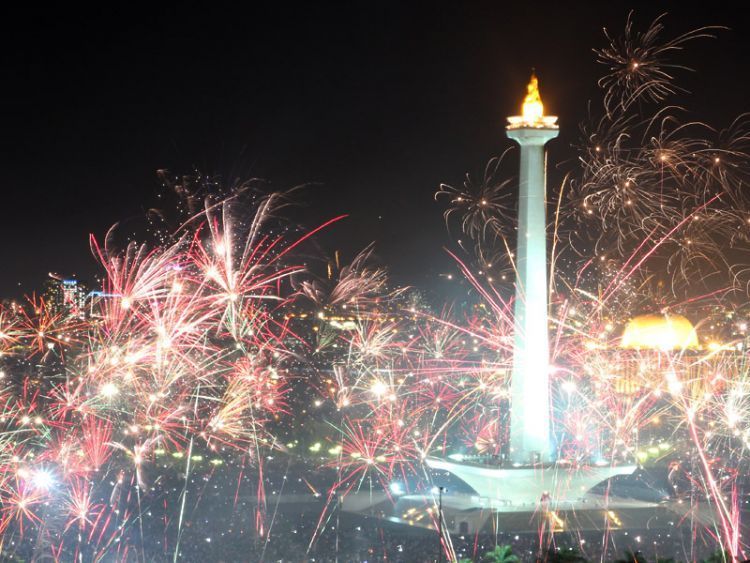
pixel 376 104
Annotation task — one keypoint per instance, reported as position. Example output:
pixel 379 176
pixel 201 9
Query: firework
pixel 213 346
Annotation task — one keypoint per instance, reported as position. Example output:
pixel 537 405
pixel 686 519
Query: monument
pixel 534 475
pixel 530 396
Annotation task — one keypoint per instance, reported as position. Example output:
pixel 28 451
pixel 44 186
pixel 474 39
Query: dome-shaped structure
pixel 659 332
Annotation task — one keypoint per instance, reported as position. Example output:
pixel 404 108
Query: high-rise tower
pixel 530 393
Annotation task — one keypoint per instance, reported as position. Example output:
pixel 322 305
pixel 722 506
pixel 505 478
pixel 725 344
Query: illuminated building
pixel 66 296
pixel 663 353
pixel 662 332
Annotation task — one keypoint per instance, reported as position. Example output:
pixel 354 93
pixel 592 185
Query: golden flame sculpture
pixel 532 110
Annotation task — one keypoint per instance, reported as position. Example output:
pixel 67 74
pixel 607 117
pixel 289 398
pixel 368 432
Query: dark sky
pixel 378 103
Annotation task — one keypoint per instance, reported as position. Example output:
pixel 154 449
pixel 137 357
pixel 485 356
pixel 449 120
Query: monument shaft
pixel 530 393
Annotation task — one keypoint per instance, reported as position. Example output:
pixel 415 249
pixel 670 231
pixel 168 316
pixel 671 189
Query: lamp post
pixel 441 490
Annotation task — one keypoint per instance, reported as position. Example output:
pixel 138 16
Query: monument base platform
pixel 524 488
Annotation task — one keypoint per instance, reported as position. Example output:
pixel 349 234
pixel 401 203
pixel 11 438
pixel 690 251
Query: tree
pixel 501 554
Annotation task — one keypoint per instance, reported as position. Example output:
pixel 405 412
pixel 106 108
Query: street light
pixel 441 490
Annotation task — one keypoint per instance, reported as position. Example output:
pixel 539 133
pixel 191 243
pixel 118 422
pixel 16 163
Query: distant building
pixel 66 296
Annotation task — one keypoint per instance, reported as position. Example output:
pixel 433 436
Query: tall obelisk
pixel 530 393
